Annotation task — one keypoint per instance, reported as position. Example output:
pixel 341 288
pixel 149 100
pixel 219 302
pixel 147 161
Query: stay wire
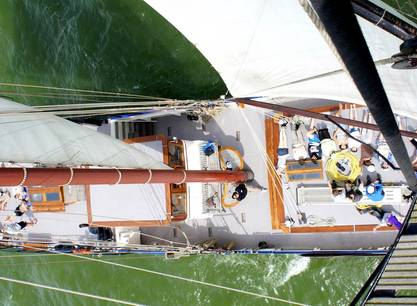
pixel 268 162
pixel 68 291
pixel 190 280
pixel 79 90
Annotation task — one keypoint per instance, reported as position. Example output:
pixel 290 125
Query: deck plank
pixel 276 195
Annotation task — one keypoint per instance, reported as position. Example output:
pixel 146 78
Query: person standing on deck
pixel 298 133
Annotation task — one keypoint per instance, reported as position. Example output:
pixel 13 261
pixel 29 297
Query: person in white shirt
pixel 283 150
pixel 328 145
pixel 298 133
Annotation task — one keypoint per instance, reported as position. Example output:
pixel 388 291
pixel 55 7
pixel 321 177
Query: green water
pixel 123 46
pixel 117 46
pixel 332 281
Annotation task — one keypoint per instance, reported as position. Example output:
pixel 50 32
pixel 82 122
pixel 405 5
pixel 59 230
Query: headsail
pixel 47 139
pixel 273 49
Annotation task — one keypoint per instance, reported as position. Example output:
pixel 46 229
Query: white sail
pixel 272 49
pixel 47 139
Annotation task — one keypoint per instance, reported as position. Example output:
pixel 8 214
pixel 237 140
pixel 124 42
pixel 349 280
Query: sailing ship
pixel 159 191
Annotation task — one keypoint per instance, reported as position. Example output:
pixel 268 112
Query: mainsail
pixel 273 49
pixel 35 137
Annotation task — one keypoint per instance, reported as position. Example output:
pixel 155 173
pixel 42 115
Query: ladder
pixel 397 285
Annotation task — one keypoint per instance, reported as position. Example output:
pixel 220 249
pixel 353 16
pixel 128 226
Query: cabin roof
pixel 131 204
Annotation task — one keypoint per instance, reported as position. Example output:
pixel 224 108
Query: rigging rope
pixel 79 293
pixel 268 162
pixel 80 90
pixel 190 280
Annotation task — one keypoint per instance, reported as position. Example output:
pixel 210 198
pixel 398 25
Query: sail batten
pixel 50 140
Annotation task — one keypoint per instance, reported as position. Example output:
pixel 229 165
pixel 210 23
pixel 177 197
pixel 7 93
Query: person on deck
pixel 283 150
pixel 354 131
pixel 4 198
pixel 298 141
pixel 369 174
pixel 24 209
pixel 241 190
pixel 339 136
pixel 383 148
pixel 366 150
pixel 314 146
pixel 375 192
pixel 14 227
pixel 335 188
pixel 328 145
pixel 352 190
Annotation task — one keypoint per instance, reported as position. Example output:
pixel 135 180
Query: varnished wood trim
pixel 130 223
pixel 88 201
pixel 150 138
pixel 330 107
pixel 276 196
pixel 336 228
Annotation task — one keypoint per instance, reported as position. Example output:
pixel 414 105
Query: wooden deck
pixel 276 197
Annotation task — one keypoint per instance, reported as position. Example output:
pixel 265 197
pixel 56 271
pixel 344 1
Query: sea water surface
pixel 124 46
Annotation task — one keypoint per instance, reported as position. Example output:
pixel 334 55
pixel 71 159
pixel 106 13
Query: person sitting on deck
pixel 12 227
pixel 314 146
pixel 328 145
pixel 283 150
pixel 383 148
pixel 353 144
pixel 375 192
pixel 366 149
pixel 241 190
pixel 4 198
pixel 24 208
pixel 352 190
pixel 298 141
pixel 341 139
pixel 335 188
pixel 370 175
pixel 373 210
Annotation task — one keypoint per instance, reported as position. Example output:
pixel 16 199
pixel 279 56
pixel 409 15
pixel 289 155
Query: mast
pixel 114 176
pixel 343 34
